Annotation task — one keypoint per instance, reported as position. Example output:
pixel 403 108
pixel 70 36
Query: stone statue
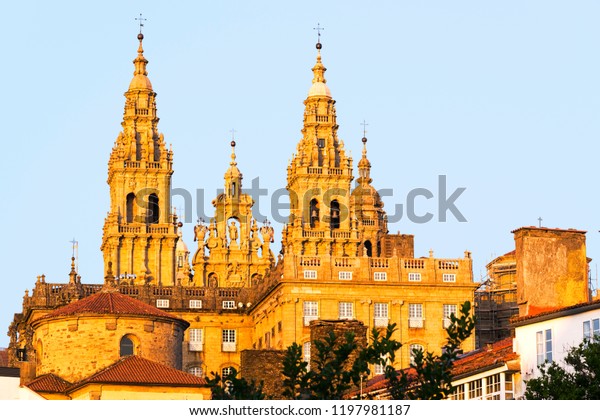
pixel 233 232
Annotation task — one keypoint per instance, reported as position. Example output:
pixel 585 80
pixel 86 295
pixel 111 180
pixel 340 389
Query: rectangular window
pixel 415 315
pixel 493 387
pixel 162 303
pixel 475 389
pixel 229 340
pixel 459 393
pixel 310 311
pixel 379 369
pixel 346 310
pixel 414 276
pixel 228 304
pixel 380 276
pixel 345 275
pixel 449 278
pixel 306 354
pixel 448 310
pixel 591 329
pixel 310 274
pixel 195 304
pixel 543 341
pixel 412 350
pixel 381 315
pixel 196 339
pixel 508 386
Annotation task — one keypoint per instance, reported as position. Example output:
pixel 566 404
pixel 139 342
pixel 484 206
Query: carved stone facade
pixel 338 259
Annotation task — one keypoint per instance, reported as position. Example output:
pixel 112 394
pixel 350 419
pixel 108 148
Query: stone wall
pixel 266 366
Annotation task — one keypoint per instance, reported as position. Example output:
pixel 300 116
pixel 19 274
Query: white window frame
pixel 543 344
pixel 162 303
pixel 345 275
pixel 310 274
pixel 229 340
pixel 195 304
pixel 381 314
pixel 196 341
pixel 449 278
pixel 380 276
pixel 411 350
pixel 306 354
pixel 196 371
pixel 448 309
pixel 229 304
pixel 226 371
pixel 415 315
pixel 346 310
pixel 591 329
pixel 414 276
pixel 310 311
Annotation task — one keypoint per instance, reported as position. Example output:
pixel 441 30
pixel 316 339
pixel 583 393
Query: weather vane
pixel 142 20
pixel 319 29
pixel 364 124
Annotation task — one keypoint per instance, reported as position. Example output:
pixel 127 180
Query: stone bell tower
pixel 140 234
pixel 319 180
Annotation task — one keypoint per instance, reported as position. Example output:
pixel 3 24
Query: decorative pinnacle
pixel 141 20
pixel 233 163
pixel 364 139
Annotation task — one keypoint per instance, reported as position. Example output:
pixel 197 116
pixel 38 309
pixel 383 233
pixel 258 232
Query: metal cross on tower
pixel 141 20
pixel 319 29
pixel 364 124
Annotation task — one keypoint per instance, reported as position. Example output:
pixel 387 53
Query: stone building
pixel 338 259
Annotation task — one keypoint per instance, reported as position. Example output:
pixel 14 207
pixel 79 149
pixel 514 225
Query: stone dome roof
pixel 319 89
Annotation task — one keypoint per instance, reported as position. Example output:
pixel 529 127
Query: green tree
pixel 331 378
pixel 230 387
pixel 580 380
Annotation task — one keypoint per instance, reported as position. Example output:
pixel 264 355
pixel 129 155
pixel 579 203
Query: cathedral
pixel 186 313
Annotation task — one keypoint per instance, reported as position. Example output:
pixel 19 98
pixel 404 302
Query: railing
pixel 315 171
pixel 157 229
pixel 335 171
pixel 307 320
pixel 344 262
pixel 369 222
pixel 195 292
pixel 130 229
pixel 131 164
pixel 128 290
pixel 448 264
pixel 141 111
pixel 313 234
pixel 159 291
pixel 310 261
pixel 380 262
pixel 322 118
pixel 417 264
pixel 154 165
pixel 228 293
pixel 340 235
pixel 381 322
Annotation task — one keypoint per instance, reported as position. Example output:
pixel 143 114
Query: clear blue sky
pixel 501 97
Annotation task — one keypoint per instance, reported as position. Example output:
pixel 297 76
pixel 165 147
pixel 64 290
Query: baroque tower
pixel 319 181
pixel 237 257
pixel 140 233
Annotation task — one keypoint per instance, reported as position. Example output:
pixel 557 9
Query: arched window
pixel 334 215
pixel 130 213
pixel 153 209
pixel 369 248
pixel 314 213
pixel 126 347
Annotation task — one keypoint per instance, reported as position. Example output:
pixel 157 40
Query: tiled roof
pixel 556 312
pixel 113 303
pixel 48 383
pixel 486 357
pixel 136 370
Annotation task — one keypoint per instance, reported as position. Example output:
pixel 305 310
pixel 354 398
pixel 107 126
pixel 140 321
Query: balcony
pixel 197 346
pixel 229 347
pixel 415 322
pixel 381 322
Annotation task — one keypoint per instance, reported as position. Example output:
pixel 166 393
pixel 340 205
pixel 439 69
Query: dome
pixel 140 81
pixel 367 195
pixel 181 246
pixel 319 89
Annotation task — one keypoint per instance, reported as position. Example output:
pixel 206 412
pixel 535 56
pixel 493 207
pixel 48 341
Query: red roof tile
pixel 113 303
pixel 539 312
pixel 48 383
pixel 135 370
pixel 487 357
